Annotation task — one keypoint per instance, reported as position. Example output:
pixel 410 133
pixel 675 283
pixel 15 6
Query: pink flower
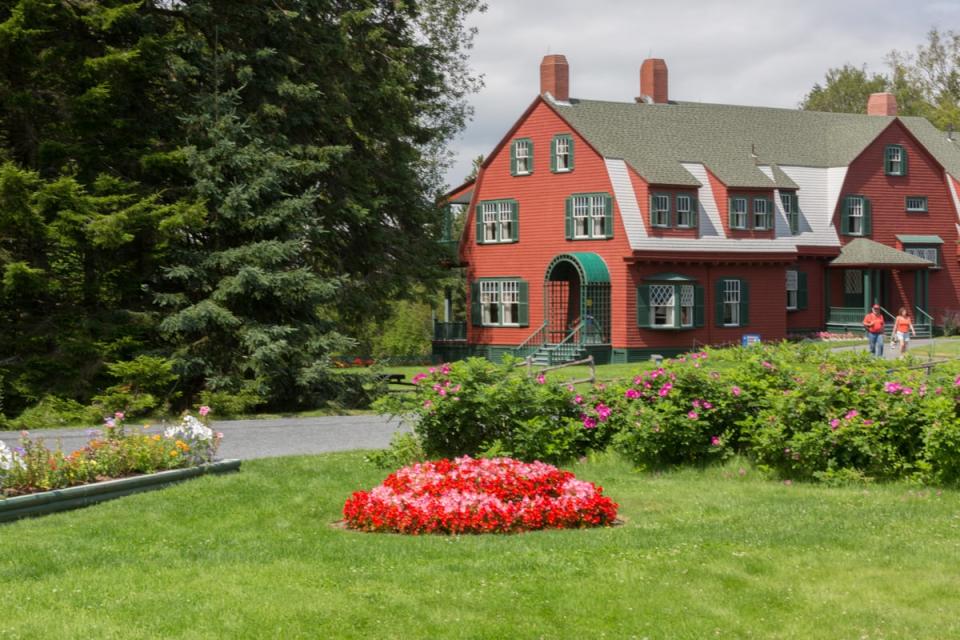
pixel 735 390
pixel 442 392
pixel 853 413
pixel 907 391
pixel 603 412
pixel 834 423
pixel 118 415
pixel 204 410
pixel 715 441
pixel 867 422
pixel 707 405
pixel 696 404
pixel 427 404
pixel 766 365
pixel 541 379
pixel 632 394
pixel 692 415
pixel 578 399
pixel 588 422
pixel 417 378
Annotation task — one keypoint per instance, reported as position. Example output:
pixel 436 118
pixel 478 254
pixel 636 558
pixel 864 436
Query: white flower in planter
pixel 9 460
pixel 189 429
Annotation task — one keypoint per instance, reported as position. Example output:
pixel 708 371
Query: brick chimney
pixel 653 81
pixel 555 77
pixel 882 104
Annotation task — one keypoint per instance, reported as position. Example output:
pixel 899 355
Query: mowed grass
pixel 701 554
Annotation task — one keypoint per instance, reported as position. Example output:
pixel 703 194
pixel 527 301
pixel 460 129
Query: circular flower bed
pixel 497 495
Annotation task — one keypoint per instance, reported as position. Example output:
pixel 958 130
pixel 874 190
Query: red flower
pixel 478 496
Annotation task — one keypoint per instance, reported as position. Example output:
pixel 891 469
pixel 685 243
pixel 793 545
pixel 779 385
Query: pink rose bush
pixel 467 495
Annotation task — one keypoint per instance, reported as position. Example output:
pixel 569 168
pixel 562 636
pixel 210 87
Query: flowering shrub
pixel 476 407
pixel 465 495
pixel 112 452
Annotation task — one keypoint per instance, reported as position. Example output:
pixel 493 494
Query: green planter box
pixel 87 494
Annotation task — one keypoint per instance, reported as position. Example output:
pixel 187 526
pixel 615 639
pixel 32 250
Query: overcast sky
pixel 753 52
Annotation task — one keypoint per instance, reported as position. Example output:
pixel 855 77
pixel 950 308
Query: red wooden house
pixel 624 229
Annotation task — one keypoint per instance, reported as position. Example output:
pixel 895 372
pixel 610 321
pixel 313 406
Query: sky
pixel 752 52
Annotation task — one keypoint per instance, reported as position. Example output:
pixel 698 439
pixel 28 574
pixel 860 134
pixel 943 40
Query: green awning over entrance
pixel 865 253
pixel 591 266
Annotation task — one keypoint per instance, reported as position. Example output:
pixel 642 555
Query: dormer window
pixel 561 160
pixel 762 220
pixel 738 213
pixel 791 210
pixel 895 160
pixel 521 157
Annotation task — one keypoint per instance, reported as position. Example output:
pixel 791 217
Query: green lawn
pixel 701 554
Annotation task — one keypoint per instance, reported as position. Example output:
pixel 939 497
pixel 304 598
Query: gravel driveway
pixel 268 438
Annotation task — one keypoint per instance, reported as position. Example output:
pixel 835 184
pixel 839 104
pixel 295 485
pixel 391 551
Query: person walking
pixel 873 323
pixel 903 326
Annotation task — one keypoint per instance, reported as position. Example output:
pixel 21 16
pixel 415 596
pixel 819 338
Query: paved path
pixel 247 439
pixel 919 347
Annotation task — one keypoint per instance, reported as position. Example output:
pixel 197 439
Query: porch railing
pixel 449 331
pixel 845 315
pixel 532 343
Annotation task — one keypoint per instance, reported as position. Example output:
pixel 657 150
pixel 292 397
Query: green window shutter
pixel 523 312
pixel 568 220
pixel 570 140
pixel 513 158
pixel 718 303
pixel 903 161
pixel 671 207
pixel 650 209
pixel 801 290
pixel 530 157
pixel 475 317
pixel 770 211
pixel 608 215
pixel 845 216
pixel 867 217
pixel 694 212
pixel 643 305
pixel 744 303
pixel 479 217
pixel 795 211
pixel 730 213
pixel 698 306
pixel 515 219
pixel 553 153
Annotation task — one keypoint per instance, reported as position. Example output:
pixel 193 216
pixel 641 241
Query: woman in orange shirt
pixel 903 327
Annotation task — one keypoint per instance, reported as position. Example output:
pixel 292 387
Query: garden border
pixel 86 494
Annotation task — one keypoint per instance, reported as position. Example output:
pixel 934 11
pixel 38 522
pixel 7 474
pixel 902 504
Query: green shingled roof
pixel 733 141
pixel 863 252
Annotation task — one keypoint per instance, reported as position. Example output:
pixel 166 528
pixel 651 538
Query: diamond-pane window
pixel 661 305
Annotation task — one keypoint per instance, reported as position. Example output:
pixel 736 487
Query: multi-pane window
pixel 792 212
pixel 931 254
pixel 916 204
pixel 497 221
pixel 855 216
pixel 499 302
pixel 731 303
pixel 589 215
pixel 687 302
pixel 562 154
pixel 895 160
pixel 660 210
pixel 490 302
pixel 738 213
pixel 522 153
pixel 662 302
pixel 853 281
pixel 792 289
pixel 669 306
pixel 685 217
pixel 761 214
